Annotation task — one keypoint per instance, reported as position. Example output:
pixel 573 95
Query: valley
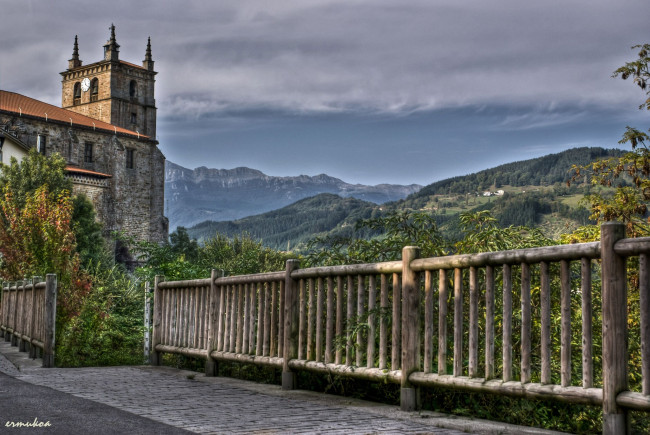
pixel 532 193
pixel 196 195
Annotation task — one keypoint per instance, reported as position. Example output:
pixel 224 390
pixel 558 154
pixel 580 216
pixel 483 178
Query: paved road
pixel 41 409
pixel 142 399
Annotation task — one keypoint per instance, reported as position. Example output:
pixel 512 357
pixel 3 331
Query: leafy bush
pixel 184 259
pixel 396 229
pixel 107 328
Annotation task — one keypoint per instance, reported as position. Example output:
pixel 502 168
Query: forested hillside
pixel 296 223
pixel 542 171
pixel 201 194
pixel 531 193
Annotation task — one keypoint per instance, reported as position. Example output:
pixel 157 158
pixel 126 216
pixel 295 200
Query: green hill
pixel 295 223
pixel 530 192
pixel 542 171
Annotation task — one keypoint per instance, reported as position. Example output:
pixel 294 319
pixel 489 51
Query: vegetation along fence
pixel 403 322
pixel 28 316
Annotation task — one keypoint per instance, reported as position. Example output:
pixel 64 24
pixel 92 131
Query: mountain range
pixel 533 193
pixel 296 223
pixel 196 195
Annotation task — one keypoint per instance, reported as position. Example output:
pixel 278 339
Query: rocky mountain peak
pixel 195 195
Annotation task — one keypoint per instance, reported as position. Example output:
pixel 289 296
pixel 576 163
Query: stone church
pixel 106 130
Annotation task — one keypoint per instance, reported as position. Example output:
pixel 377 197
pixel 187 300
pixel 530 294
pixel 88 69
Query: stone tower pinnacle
pixel 112 48
pixel 74 62
pixel 148 60
pixel 111 90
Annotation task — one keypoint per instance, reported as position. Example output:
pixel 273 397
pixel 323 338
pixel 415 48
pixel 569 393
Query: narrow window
pixel 133 88
pixel 129 158
pixel 134 117
pixel 88 153
pixel 40 143
pixel 77 94
pixel 94 89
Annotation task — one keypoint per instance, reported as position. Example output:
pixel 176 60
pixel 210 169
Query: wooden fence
pixel 28 316
pixel 403 321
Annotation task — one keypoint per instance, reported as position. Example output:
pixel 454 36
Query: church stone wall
pixel 95 189
pixel 132 199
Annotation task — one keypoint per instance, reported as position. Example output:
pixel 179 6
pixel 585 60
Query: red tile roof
pixel 76 170
pixel 16 103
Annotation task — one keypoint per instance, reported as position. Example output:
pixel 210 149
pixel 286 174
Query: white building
pixel 11 146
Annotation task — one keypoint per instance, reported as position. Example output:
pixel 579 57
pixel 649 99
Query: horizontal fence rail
pixel 28 316
pixel 478 322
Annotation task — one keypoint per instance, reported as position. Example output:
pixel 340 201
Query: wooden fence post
pixel 614 279
pixel 17 314
pixel 155 356
pixel 3 305
pixel 27 323
pixel 7 312
pixel 50 320
pixel 213 318
pixel 23 318
pixel 291 323
pixel 409 394
pixel 147 319
pixel 32 326
pixel 5 309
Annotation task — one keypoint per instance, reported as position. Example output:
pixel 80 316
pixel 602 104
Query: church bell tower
pixel 112 90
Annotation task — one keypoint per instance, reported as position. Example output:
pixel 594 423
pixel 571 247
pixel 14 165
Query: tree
pixel 36 171
pixel 638 69
pixel 482 233
pixel 37 238
pixel 241 255
pixel 397 229
pixel 183 245
pixel 183 258
pixel 87 232
pixel 628 204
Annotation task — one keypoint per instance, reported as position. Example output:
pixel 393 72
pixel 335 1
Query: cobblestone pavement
pixel 200 404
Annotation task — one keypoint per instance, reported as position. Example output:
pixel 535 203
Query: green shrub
pixel 107 329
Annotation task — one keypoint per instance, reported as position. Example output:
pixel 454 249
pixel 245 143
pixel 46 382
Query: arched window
pixel 133 88
pixel 94 89
pixel 77 94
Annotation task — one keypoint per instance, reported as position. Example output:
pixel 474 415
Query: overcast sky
pixel 370 91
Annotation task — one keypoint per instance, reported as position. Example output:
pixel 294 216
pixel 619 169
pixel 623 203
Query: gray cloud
pixel 331 55
pixel 550 61
pixel 377 56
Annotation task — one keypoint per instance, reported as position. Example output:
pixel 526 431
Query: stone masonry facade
pixel 106 131
pixel 129 200
pixel 112 90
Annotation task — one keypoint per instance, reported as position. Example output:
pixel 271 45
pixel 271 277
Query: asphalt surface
pixel 45 410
